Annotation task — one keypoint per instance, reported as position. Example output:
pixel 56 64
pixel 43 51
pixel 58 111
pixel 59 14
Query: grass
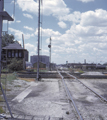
pixel 27 79
pixel 4 70
pixel 80 71
pixel 17 86
pixel 1 99
pixel 9 77
pixel 1 110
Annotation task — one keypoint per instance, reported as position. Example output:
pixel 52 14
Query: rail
pixel 69 96
pixel 101 97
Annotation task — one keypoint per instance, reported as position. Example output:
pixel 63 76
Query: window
pixel 20 54
pixel 12 53
pixel 9 53
pixel 16 54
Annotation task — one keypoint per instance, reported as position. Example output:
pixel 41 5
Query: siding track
pixel 88 104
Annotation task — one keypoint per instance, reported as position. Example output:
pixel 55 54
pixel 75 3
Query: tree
pixel 7 39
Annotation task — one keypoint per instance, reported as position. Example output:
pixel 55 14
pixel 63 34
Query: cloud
pixel 31 48
pixel 28 28
pixel 18 34
pixel 74 17
pixel 94 18
pixel 48 32
pixel 62 24
pixel 53 7
pixel 28 16
pixel 86 1
pixel 18 21
pixel 85 39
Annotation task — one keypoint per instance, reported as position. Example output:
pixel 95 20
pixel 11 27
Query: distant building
pixel 14 50
pixel 42 58
pixel 29 64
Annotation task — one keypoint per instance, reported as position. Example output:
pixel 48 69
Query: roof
pixel 39 56
pixel 6 16
pixel 40 62
pixel 12 46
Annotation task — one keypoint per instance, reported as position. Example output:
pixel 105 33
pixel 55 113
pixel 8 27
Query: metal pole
pixel 1 24
pixel 0 44
pixel 23 52
pixel 50 53
pixel 38 41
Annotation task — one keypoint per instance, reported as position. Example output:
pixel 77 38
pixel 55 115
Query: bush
pixel 15 65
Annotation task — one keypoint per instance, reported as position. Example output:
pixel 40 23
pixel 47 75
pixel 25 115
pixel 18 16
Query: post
pixel 1 24
pixel 50 53
pixel 0 44
pixel 38 41
pixel 23 52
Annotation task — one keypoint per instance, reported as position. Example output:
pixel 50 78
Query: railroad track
pixel 88 103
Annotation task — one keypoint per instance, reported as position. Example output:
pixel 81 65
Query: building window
pixel 16 54
pixel 12 53
pixel 20 54
pixel 9 53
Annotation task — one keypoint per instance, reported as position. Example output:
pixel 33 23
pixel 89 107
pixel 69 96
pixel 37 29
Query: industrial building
pixel 42 58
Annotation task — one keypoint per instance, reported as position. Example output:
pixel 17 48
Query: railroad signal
pixel 50 53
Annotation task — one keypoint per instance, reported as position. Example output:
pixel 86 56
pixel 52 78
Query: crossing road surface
pixel 41 99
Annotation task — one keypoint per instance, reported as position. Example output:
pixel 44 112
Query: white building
pixel 42 58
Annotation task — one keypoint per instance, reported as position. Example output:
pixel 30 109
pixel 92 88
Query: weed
pixel 17 86
pixel 1 110
pixel 1 99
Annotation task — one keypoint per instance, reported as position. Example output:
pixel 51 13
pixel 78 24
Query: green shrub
pixel 15 65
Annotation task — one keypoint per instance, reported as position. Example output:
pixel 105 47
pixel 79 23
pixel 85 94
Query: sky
pixel 78 28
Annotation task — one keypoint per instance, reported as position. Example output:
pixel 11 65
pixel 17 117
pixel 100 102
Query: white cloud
pixel 74 17
pixel 18 34
pixel 84 40
pixel 86 1
pixel 28 16
pixel 48 32
pixel 31 48
pixel 62 24
pixel 94 18
pixel 53 7
pixel 28 28
pixel 18 21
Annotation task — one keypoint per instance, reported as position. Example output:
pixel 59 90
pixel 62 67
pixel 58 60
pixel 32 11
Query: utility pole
pixel 50 53
pixel 38 42
pixel 23 52
pixel 3 16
